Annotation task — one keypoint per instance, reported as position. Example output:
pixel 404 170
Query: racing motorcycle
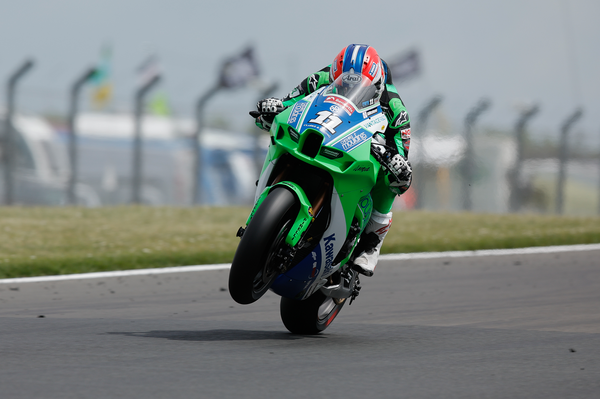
pixel 313 202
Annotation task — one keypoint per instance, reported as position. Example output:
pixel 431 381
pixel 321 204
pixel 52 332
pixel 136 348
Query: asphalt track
pixel 509 326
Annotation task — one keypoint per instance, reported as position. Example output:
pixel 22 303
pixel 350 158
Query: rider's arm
pixel 307 86
pixel 398 132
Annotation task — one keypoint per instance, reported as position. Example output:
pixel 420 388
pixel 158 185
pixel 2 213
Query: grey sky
pixel 511 51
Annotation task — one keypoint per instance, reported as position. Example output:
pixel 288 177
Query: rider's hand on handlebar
pixel 270 106
pixel 267 109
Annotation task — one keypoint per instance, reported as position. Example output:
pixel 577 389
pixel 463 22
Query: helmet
pixel 359 59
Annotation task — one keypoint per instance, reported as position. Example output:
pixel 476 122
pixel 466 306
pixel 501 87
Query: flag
pixel 405 66
pixel 102 90
pixel 238 71
pixel 149 70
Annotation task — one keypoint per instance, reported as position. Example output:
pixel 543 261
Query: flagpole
pixel 235 72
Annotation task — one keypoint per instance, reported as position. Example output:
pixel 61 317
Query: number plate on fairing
pixel 342 125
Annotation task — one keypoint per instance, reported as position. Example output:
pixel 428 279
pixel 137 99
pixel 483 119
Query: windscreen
pixel 359 90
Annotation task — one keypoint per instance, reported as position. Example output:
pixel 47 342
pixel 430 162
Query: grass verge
pixel 51 241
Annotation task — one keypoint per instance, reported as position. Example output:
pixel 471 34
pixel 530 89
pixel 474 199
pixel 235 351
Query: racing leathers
pixel 397 144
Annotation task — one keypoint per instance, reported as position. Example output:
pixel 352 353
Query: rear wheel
pixel 257 260
pixel 310 316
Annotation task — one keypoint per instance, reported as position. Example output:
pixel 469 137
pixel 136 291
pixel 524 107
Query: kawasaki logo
pixel 329 251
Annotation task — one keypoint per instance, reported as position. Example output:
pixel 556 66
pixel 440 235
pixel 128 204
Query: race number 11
pixel 328 120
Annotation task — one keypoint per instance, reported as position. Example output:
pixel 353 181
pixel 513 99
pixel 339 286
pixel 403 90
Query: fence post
pixel 422 119
pixel 73 100
pixel 563 157
pixel 9 140
pixel 468 163
pixel 516 197
pixel 137 139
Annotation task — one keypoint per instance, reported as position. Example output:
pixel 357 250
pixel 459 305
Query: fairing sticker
pixel 341 126
pixel 296 113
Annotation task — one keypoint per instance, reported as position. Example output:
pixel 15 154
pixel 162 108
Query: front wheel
pixel 256 263
pixel 310 316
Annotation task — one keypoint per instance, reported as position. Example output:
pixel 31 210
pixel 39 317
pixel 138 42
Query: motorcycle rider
pixel 364 60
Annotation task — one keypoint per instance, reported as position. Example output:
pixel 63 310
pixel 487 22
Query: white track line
pixel 224 266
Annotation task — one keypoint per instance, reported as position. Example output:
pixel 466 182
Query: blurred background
pixel 114 102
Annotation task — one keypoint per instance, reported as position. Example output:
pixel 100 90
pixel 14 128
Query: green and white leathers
pixel 397 134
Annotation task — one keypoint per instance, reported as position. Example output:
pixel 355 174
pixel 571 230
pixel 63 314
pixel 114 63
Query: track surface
pixel 518 326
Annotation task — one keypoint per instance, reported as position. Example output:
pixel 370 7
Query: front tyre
pixel 310 316
pixel 256 265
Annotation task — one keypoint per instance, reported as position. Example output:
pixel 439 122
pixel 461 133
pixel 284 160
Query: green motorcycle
pixel 313 202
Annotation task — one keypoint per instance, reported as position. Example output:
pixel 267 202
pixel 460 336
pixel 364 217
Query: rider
pixel 363 59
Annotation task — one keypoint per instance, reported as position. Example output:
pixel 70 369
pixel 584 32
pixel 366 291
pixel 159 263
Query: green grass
pixel 50 241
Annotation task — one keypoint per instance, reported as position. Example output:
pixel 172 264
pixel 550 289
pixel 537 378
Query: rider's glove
pixel 268 108
pixel 402 171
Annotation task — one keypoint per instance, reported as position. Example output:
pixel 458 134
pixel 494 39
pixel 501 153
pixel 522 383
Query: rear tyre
pixel 256 264
pixel 310 316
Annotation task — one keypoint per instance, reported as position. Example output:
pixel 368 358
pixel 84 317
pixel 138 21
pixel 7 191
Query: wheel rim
pixel 265 277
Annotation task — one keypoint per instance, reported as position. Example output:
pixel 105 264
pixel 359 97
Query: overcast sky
pixel 512 51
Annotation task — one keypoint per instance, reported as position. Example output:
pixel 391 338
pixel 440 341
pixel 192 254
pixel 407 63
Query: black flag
pixel 239 70
pixel 405 66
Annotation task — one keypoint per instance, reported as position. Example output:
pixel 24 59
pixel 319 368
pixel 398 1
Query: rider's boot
pixel 368 247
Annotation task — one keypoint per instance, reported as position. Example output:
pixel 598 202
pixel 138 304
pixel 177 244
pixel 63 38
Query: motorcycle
pixel 313 202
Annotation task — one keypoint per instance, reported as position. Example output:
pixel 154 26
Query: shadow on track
pixel 218 335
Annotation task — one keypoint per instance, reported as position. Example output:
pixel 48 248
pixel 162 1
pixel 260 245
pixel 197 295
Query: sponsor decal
pixel 299 229
pixel 407 144
pixel 354 140
pixel 405 134
pixel 384 229
pixel 375 121
pixel 362 168
pixel 373 70
pixel 351 78
pixel 314 268
pixel 341 102
pixel 314 82
pixel 366 204
pixel 329 251
pixel 370 112
pixel 400 119
pixel 296 112
pixel 367 103
pixel 334 108
pixel 295 92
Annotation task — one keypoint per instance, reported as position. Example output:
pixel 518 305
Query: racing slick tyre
pixel 256 263
pixel 310 316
